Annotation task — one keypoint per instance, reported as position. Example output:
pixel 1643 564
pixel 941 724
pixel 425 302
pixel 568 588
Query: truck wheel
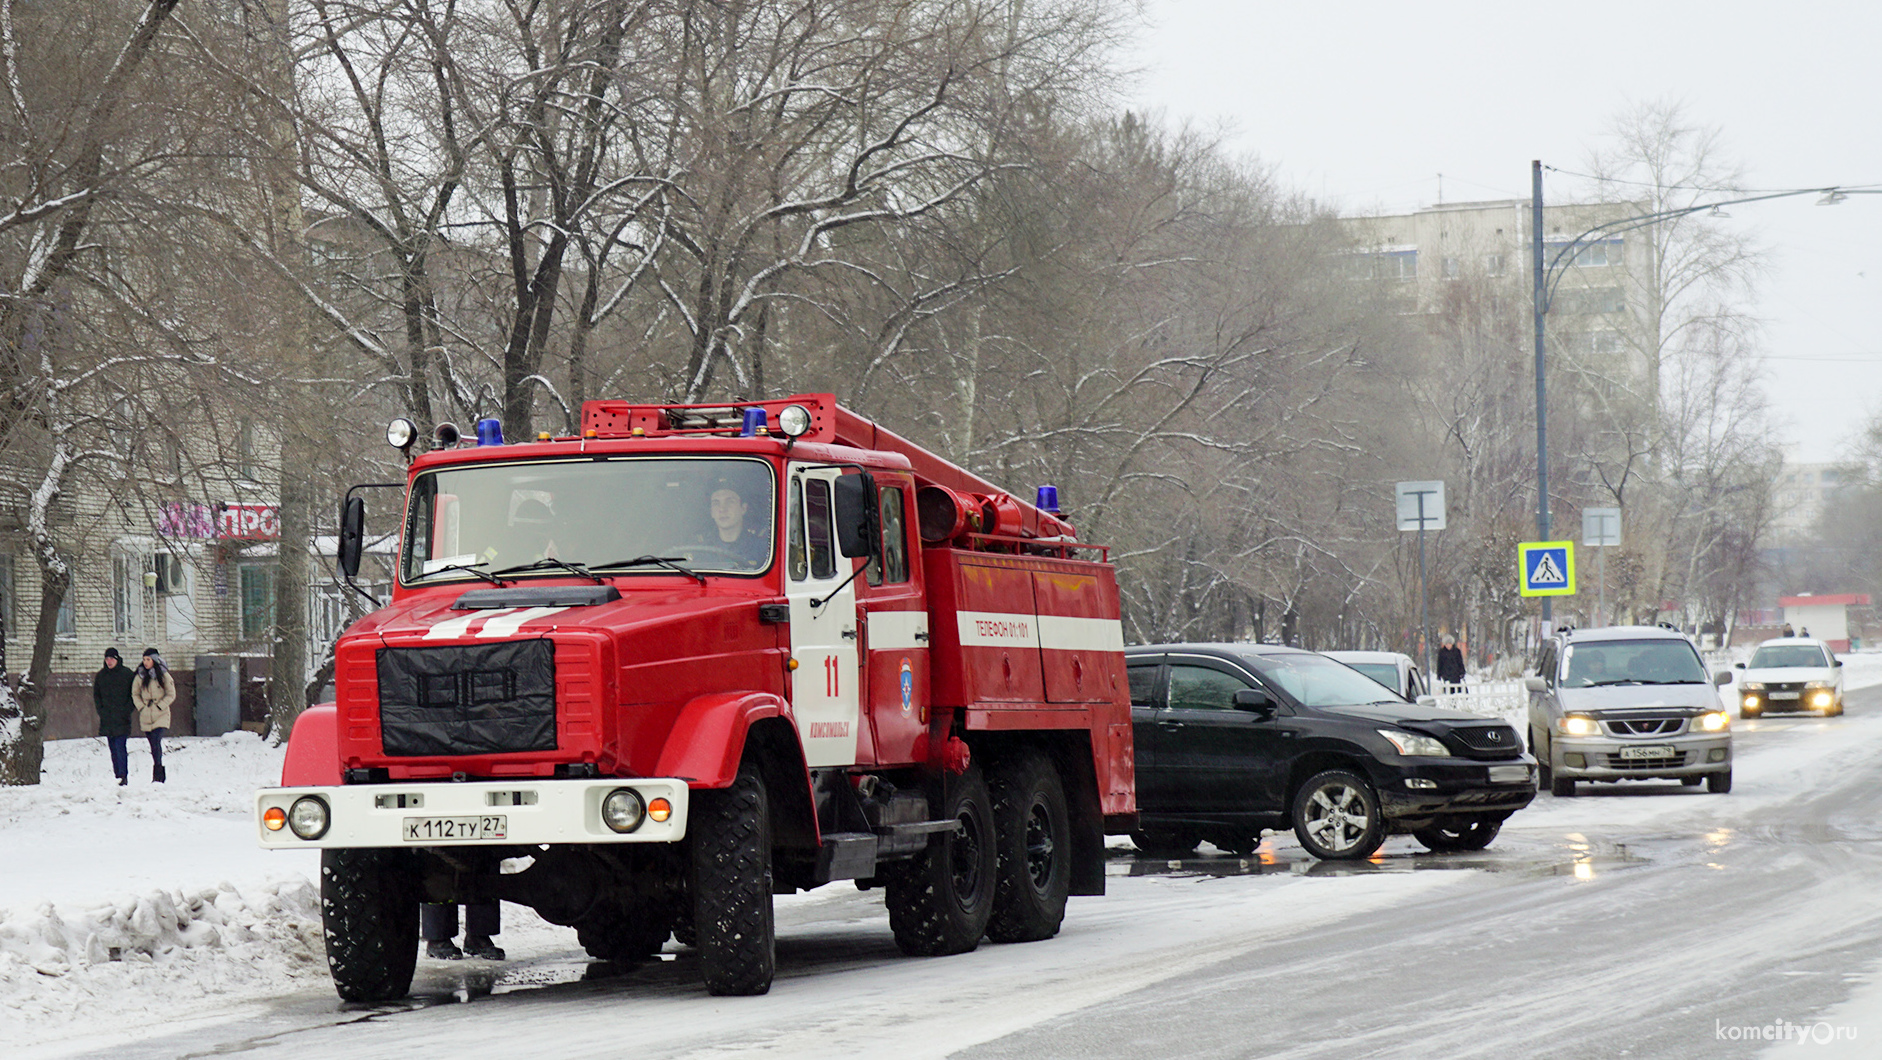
pixel 1719 783
pixel 1469 833
pixel 1337 818
pixel 941 901
pixel 1033 838
pixel 1154 844
pixel 369 912
pixel 731 840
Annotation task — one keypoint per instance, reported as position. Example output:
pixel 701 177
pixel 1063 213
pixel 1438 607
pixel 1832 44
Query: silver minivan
pixel 1627 703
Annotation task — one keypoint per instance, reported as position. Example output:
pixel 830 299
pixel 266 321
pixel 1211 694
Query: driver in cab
pixel 731 534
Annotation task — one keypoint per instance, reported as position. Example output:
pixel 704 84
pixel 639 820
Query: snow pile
pixel 150 899
pixel 157 952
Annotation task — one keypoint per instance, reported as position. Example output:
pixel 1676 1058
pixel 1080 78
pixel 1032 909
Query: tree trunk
pixel 287 678
pixel 21 762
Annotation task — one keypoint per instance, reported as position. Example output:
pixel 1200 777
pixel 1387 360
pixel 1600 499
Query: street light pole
pixel 1547 273
pixel 1542 405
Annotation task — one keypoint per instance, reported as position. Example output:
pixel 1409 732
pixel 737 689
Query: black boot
pixel 443 950
pixel 122 781
pixel 157 774
pixel 481 947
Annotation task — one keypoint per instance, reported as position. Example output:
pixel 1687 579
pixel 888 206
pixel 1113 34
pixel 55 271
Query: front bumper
pixel 1427 787
pixel 532 811
pixel 1600 757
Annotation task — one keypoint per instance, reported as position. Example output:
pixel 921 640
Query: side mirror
pixel 1255 701
pixel 352 534
pixel 1535 684
pixel 1838 662
pixel 1723 677
pixel 858 533
pixel 1426 701
pixel 1738 666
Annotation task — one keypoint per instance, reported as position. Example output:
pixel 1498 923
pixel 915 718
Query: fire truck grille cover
pixel 470 699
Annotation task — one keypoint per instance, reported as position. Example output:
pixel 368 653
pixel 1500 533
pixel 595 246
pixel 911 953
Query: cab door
pixel 824 686
pixel 894 633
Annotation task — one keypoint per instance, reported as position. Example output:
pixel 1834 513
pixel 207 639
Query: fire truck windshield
pixel 708 514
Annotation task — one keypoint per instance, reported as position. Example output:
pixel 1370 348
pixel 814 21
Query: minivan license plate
pixel 432 829
pixel 1656 751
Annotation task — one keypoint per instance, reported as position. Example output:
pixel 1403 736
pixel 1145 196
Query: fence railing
pixel 1502 697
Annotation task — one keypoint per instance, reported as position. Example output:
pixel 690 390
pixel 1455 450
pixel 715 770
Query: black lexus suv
pixel 1235 738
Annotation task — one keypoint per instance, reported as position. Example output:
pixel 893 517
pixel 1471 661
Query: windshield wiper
pixel 669 562
pixel 1619 681
pixel 551 561
pixel 471 567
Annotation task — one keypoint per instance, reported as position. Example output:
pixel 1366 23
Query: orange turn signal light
pixel 275 818
pixel 659 809
pixel 790 664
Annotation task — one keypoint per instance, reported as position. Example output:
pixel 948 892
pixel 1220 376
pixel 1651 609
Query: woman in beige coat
pixel 153 692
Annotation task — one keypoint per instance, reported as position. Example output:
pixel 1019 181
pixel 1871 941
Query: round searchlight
pixel 622 810
pixel 308 817
pixel 793 420
pixel 401 433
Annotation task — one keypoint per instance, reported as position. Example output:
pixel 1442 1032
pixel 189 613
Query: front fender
pixel 708 739
pixel 313 758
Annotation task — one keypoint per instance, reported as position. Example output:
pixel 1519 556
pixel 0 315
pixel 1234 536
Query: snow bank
pixel 121 904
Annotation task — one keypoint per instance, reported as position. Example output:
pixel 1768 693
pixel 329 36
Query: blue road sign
pixel 1547 568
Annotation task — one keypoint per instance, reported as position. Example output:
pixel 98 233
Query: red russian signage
pixel 250 522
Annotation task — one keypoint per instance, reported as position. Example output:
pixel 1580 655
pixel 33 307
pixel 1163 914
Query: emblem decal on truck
pixel 908 685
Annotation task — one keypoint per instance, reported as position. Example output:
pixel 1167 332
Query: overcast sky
pixel 1363 104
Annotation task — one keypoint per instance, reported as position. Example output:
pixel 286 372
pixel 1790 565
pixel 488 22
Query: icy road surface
pixel 1642 921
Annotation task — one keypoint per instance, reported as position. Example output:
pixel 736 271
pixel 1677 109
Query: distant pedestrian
pixel 1450 667
pixel 111 695
pixel 1806 632
pixel 1788 631
pixel 155 691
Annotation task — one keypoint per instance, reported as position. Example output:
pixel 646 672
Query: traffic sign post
pixel 1421 508
pixel 1601 528
pixel 1546 568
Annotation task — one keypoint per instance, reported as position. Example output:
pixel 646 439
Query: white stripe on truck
pixel 993 629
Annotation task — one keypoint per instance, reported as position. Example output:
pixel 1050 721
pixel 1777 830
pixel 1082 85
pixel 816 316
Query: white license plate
pixel 1508 774
pixel 1656 751
pixel 433 829
pixel 1785 695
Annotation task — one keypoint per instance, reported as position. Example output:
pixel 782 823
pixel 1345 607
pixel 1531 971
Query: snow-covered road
pixel 1646 921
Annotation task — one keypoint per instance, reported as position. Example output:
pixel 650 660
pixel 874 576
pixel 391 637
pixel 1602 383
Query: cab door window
pixel 797 556
pixel 1143 682
pixel 894 538
pixel 819 528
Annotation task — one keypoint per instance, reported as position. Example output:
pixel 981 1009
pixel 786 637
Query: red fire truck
pixel 644 678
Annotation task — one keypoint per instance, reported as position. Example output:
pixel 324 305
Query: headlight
pixel 401 433
pixel 308 817
pixel 1575 725
pixel 1812 686
pixel 1410 743
pixel 622 810
pixel 793 420
pixel 1716 721
pixel 1751 686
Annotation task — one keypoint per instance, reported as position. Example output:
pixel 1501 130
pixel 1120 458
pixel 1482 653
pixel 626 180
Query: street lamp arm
pixel 1552 273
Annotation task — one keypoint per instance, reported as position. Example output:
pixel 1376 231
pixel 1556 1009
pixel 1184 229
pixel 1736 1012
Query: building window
pixel 1598 254
pixel 1587 300
pixel 7 613
pixel 246 466
pixel 1606 342
pixel 255 583
pixel 127 596
pixel 65 624
pixel 1493 264
pixel 1397 265
pixel 172 580
pixel 1453 268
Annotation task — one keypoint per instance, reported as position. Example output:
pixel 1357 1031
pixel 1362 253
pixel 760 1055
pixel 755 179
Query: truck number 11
pixel 831 670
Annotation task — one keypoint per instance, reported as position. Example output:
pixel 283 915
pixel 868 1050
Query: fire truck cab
pixel 695 656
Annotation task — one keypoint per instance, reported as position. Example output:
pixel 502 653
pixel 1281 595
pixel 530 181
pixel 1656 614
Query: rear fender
pixel 313 758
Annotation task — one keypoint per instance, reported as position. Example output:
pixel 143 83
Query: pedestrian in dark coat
pixel 1451 666
pixel 154 691
pixel 111 695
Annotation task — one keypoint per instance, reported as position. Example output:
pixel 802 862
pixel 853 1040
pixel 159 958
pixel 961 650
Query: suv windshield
pixel 712 514
pixel 1632 662
pixel 1779 656
pixel 1317 681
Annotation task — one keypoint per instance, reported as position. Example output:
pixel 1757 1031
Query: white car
pixel 1391 669
pixel 1791 673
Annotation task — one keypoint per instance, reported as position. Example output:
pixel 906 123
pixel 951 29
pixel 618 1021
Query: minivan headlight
pixel 1411 743
pixel 1751 686
pixel 1714 721
pixel 1577 725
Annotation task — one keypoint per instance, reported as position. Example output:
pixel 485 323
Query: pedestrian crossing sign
pixel 1547 568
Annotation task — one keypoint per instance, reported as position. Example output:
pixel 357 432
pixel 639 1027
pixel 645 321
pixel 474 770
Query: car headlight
pixel 1576 725
pixel 1411 743
pixel 622 810
pixel 308 817
pixel 1812 686
pixel 1713 721
pixel 1751 686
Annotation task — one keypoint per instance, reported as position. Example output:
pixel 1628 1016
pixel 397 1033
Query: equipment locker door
pixel 824 692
